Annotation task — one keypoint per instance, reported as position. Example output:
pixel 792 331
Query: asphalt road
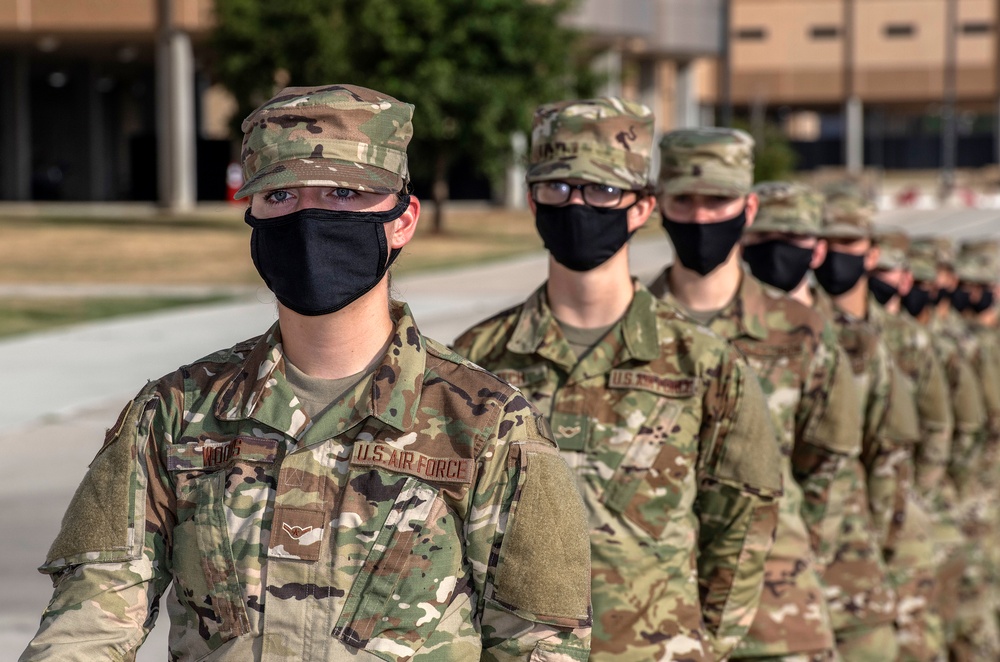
pixel 63 388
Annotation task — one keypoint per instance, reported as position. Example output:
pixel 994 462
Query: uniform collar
pixel 537 330
pixel 261 392
pixel 748 309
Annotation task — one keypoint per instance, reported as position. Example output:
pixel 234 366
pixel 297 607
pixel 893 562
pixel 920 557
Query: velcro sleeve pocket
pixel 543 570
pixel 105 519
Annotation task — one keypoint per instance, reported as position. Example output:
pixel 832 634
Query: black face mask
pixel 881 290
pixel 581 237
pixel 985 301
pixel 960 300
pixel 840 272
pixel 317 261
pixel 941 295
pixel 916 300
pixel 702 247
pixel 778 263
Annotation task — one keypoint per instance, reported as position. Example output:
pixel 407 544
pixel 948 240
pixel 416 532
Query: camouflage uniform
pixel 891 432
pixel 862 604
pixel 662 425
pixel 678 539
pixel 809 391
pixel 976 636
pixel 402 522
pixel 925 377
pixel 978 264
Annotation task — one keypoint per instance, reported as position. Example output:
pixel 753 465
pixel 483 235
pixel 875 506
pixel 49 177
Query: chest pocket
pixel 209 477
pixel 403 545
pixel 655 472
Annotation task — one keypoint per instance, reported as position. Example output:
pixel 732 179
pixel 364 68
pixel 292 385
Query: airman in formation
pixel 786 447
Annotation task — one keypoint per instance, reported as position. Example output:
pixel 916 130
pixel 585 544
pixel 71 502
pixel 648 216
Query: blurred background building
pixel 854 83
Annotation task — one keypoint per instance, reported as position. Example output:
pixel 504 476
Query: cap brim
pixel 322 172
pixel 844 231
pixel 688 185
pixel 560 170
pixel 761 226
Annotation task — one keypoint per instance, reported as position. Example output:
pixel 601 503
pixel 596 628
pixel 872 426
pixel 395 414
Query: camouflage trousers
pixel 977 636
pixel 829 655
pixel 912 572
pixel 875 644
pixel 949 557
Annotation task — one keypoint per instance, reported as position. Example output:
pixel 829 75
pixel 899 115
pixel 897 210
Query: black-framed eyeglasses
pixel 595 195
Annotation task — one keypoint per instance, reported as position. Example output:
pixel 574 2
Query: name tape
pixel 441 470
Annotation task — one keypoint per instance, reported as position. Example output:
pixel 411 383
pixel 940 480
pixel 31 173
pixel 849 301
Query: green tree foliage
pixel 774 158
pixel 474 69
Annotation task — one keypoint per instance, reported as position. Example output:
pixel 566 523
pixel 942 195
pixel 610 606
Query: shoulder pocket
pixel 105 520
pixel 543 567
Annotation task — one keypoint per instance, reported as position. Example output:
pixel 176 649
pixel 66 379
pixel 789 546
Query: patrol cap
pixel 606 141
pixel 787 207
pixel 939 249
pixel 847 213
pixel 976 268
pixel 707 160
pixel 921 256
pixel 893 244
pixel 981 246
pixel 333 135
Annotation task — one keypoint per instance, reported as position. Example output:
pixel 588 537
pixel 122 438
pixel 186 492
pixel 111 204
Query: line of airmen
pixel 770 466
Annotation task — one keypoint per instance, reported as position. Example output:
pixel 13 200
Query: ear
pixel 752 205
pixel 400 231
pixel 871 258
pixel 640 212
pixel 819 254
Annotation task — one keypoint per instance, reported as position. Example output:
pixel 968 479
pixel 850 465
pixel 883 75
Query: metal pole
pixel 948 130
pixel 854 116
pixel 175 133
pixel 725 66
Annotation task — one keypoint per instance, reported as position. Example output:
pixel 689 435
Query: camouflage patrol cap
pixel 606 141
pixel 847 214
pixel 923 259
pixel 976 268
pixel 787 207
pixel 981 246
pixel 893 245
pixel 708 160
pixel 334 135
pixel 939 249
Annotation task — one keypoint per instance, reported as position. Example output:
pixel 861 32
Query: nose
pixel 575 197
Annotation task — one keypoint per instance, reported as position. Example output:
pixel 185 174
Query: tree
pixel 474 69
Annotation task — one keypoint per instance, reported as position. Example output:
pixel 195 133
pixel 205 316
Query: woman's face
pixel 279 202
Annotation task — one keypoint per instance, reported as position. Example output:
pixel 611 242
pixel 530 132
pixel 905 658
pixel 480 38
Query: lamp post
pixel 725 72
pixel 948 130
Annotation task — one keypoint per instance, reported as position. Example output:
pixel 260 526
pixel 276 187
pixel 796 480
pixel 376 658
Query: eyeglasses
pixel 558 193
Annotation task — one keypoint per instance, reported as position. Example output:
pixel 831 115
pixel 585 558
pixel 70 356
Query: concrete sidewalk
pixel 63 388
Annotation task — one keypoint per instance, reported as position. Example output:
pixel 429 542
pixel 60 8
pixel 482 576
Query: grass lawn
pixel 210 248
pixel 19 316
pixel 207 247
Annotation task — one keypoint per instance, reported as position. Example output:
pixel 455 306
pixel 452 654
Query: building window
pixel 824 32
pixel 751 34
pixel 899 30
pixel 976 28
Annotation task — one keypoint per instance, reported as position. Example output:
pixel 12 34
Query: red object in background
pixel 908 196
pixel 968 196
pixel 234 180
